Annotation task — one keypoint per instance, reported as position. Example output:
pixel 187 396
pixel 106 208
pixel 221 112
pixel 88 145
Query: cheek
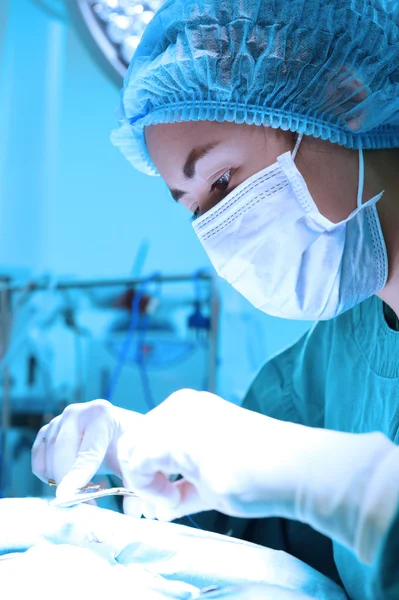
pixel 332 183
pixel 265 145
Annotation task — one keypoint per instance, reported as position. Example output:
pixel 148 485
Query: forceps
pixel 89 492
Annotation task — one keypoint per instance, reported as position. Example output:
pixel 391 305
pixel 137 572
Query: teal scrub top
pixel 342 375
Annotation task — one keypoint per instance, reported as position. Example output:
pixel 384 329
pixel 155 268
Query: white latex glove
pixel 82 441
pixel 245 464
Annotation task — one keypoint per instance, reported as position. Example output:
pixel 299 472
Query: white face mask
pixel 270 242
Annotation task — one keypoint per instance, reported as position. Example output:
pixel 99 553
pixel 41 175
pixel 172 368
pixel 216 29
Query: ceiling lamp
pixel 113 28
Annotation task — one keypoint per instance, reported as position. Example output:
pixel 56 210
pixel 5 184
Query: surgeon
pixel 276 124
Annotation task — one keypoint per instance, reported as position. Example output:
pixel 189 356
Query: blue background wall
pixel 72 205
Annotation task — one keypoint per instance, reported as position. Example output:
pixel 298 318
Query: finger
pixel 41 450
pixel 50 447
pixel 147 472
pixel 149 466
pixel 133 507
pixel 148 509
pixel 38 454
pixel 153 488
pixel 92 449
pixel 190 503
pixel 191 499
pixel 160 456
pixel 62 454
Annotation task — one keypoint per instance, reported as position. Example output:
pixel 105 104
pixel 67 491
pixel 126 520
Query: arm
pixel 248 465
pixel 290 387
pixel 385 574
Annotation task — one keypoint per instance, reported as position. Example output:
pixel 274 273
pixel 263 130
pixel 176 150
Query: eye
pixel 218 186
pixel 222 183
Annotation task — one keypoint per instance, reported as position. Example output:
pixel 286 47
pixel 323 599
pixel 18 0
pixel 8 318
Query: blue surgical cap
pixel 326 68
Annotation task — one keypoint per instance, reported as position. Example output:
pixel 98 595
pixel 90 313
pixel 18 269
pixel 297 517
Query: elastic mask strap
pixel 298 143
pixel 361 179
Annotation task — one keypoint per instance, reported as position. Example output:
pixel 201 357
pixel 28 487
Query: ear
pixel 345 94
pixel 358 93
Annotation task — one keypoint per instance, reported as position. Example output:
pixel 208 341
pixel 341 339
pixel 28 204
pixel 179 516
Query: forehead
pixel 169 144
pixel 187 131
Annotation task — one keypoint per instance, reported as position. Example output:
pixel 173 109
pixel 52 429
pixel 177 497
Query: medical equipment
pixel 96 492
pixel 91 492
pixel 62 341
pixel 199 322
pixel 112 29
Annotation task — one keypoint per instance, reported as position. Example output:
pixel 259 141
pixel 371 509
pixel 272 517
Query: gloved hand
pixel 245 464
pixel 83 440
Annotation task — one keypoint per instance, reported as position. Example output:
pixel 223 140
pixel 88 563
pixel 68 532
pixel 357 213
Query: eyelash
pixel 223 182
pixel 225 179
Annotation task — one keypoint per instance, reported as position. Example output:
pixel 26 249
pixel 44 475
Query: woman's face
pixel 202 162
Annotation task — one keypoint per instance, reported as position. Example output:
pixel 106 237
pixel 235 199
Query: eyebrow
pixel 189 166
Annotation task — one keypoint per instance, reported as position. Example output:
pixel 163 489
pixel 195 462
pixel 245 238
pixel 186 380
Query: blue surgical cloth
pixel 342 375
pixel 111 555
pixel 326 68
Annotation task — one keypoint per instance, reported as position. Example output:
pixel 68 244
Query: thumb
pixel 190 503
pixel 92 450
pixel 163 510
pixel 132 506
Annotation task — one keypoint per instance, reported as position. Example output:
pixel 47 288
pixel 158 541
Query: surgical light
pixel 115 27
